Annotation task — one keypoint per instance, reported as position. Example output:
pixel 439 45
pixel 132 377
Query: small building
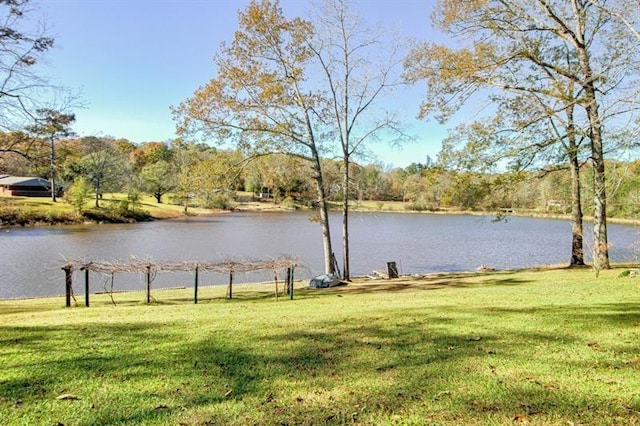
pixel 26 186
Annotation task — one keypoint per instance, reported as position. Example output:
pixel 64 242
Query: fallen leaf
pixel 520 419
pixel 632 362
pixel 67 397
pixel 594 345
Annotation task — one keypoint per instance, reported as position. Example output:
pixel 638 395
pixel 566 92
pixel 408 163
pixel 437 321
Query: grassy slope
pixel 549 347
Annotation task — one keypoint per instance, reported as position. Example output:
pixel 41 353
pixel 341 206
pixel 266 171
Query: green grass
pixel 552 347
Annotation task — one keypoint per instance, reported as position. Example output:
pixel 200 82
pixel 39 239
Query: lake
pixel 418 243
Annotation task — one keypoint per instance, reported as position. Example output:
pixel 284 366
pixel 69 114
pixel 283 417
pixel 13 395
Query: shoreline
pixel 149 211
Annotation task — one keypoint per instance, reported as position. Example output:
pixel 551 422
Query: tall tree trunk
pixel 346 274
pixel 324 213
pixel 577 250
pixel 97 195
pixel 53 171
pixel 600 243
pixel 577 243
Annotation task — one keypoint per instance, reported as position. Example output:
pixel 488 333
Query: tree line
pixel 199 175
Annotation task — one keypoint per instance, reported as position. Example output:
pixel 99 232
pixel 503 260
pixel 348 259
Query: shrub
pixel 419 207
pixel 288 203
pixel 78 194
pixel 221 201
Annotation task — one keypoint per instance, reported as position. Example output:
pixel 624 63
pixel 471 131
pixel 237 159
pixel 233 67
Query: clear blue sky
pixel 133 59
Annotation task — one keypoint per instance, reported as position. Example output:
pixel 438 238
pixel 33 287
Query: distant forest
pixel 200 175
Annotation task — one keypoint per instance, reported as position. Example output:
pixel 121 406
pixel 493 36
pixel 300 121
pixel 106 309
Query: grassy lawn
pixel 558 347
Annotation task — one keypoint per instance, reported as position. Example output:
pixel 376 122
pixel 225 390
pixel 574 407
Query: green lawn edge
pixel 551 346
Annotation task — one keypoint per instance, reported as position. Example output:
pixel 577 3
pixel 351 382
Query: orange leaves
pixel 449 12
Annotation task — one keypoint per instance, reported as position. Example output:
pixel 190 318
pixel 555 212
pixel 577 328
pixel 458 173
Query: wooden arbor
pixel 150 269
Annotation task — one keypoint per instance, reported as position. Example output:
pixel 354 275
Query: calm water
pixel 32 257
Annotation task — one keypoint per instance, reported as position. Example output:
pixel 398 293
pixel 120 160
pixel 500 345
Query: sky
pixel 131 60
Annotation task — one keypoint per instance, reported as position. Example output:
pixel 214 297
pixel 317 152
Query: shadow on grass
pixel 607 315
pixel 25 306
pixel 435 282
pixel 145 372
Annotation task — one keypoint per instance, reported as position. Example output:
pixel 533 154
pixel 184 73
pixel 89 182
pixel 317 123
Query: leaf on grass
pixel 67 397
pixel 228 393
pixel 442 394
pixel 519 418
pixel 632 362
pixel 594 345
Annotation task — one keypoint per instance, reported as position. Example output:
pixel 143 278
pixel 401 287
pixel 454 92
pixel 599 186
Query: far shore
pixel 28 212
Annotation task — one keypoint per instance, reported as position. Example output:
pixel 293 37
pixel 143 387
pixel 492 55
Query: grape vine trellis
pixel 150 268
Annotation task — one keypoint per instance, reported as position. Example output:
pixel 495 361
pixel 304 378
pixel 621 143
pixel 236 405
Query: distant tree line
pixel 193 174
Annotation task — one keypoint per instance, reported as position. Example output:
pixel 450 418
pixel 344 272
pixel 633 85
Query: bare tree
pixel 21 49
pixel 359 68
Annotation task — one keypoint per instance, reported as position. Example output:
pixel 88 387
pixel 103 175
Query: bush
pixel 78 194
pixel 221 201
pixel 420 207
pixel 288 203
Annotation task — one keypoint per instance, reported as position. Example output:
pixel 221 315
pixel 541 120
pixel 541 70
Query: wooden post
pixel 86 286
pixel 195 288
pixel 275 277
pixel 68 282
pixel 148 279
pixel 392 270
pixel 230 284
pixel 290 275
pixel 287 283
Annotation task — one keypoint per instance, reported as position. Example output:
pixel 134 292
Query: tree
pixel 22 47
pixel 529 134
pixel 626 11
pixel 102 169
pixel 149 153
pixel 356 79
pixel 52 124
pixel 158 179
pixel 280 174
pixel 261 98
pixel 545 49
pixel 78 194
pixel 16 150
pixel 211 176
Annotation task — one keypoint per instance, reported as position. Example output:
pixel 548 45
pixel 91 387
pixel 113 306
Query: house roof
pixel 24 181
